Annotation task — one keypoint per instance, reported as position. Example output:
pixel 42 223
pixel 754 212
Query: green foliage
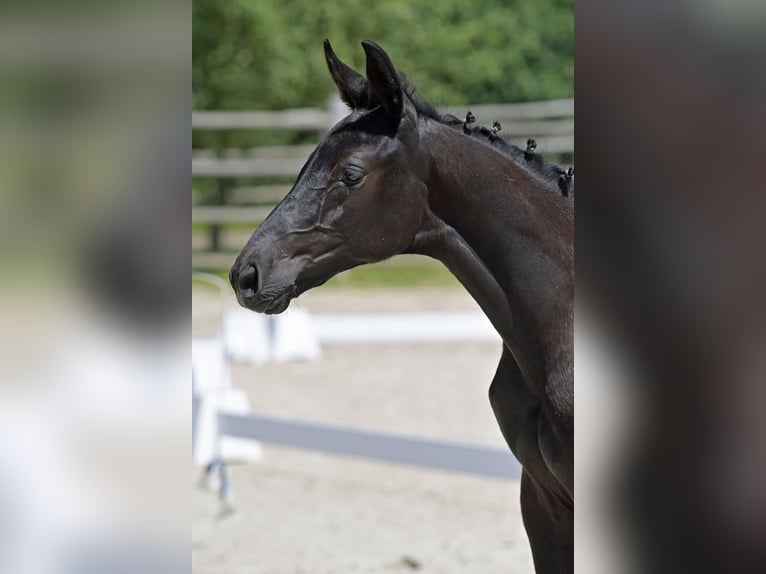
pixel 267 54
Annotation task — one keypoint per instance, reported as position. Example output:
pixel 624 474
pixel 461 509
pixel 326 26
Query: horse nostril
pixel 248 279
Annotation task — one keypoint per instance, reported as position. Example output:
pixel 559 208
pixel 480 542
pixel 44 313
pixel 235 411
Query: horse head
pixel 360 197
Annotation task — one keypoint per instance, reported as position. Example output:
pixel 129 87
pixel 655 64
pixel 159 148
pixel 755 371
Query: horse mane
pixel 552 174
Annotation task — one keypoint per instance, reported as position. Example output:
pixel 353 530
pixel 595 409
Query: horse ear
pixel 384 84
pixel 351 84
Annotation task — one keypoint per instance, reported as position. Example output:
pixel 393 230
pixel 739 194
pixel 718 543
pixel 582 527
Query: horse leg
pixel 548 517
pixel 550 528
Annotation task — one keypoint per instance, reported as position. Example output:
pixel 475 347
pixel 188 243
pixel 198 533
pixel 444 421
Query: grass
pixel 393 275
pixel 388 274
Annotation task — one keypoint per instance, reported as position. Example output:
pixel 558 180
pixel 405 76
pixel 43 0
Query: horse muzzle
pixel 248 285
pixel 244 281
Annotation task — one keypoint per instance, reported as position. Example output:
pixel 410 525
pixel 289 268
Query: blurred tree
pixel 267 54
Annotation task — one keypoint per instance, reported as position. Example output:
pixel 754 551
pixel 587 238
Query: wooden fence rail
pixel 319 119
pixel 310 119
pixel 550 123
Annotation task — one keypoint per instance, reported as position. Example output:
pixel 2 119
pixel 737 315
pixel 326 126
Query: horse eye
pixel 352 175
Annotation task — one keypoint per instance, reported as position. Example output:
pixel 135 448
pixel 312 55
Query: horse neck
pixel 507 239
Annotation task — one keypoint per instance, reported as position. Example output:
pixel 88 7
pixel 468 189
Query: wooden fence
pixel 551 123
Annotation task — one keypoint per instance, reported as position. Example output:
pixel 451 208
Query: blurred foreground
pixel 94 372
pixel 671 124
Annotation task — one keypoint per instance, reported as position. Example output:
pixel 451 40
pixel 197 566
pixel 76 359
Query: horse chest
pixel 517 415
pixel 524 424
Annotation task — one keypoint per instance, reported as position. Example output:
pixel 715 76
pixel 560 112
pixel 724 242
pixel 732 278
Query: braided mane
pixel 551 173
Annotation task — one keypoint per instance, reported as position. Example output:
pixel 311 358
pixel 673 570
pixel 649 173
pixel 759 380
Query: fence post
pixel 337 110
pixel 215 228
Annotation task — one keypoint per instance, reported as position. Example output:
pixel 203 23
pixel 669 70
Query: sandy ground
pixel 306 512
